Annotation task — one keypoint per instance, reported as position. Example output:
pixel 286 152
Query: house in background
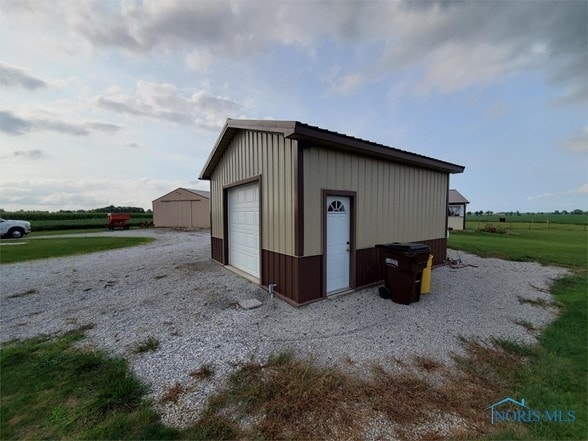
pixel 303 207
pixel 182 208
pixel 456 214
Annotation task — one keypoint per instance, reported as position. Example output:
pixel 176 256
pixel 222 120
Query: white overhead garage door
pixel 243 227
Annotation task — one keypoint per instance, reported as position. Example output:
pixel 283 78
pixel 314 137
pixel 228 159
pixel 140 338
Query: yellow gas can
pixel 426 277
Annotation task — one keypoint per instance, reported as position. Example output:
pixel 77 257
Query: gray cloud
pixel 201 109
pixel 29 154
pixel 12 124
pixel 455 44
pixel 100 126
pixel 64 194
pixel 117 105
pixel 464 43
pixel 13 77
pixel 19 125
pixel 578 142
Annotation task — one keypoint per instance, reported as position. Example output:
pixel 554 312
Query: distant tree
pixel 469 213
pixel 518 213
pixel 556 212
pixel 578 211
pixel 113 209
pixel 565 212
pixel 489 213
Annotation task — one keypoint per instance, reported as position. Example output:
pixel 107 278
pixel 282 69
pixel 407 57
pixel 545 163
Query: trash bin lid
pixel 406 247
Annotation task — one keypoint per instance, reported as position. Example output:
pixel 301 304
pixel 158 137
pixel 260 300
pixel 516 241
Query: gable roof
pixel 201 193
pixel 304 132
pixel 204 194
pixel 455 197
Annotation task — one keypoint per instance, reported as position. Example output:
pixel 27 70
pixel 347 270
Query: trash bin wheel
pixel 384 292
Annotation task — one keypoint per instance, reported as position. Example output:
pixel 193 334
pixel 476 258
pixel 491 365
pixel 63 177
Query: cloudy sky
pixel 119 102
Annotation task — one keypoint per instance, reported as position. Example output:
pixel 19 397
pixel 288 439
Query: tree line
pixel 109 209
pixel 517 213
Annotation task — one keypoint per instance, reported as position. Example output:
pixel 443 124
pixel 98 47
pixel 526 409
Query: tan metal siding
pixel 181 208
pixel 270 156
pixel 455 222
pixel 394 202
pixel 181 213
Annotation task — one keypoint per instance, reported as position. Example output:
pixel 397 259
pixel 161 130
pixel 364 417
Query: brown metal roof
pixel 317 136
pixel 455 197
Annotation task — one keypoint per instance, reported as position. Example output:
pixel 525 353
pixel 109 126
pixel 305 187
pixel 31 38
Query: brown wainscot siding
pixel 298 279
pixel 438 250
pixel 369 267
pixel 217 248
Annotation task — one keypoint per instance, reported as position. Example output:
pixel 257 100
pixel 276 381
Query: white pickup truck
pixel 14 228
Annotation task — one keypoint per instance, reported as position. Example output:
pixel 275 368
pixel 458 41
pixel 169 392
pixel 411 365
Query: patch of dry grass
pixel 173 394
pixel 539 302
pixel 203 372
pixel 293 398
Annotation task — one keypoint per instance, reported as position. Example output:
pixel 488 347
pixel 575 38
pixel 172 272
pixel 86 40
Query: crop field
pixel 535 218
pixel 42 221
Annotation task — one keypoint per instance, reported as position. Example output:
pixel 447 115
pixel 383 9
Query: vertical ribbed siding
pixel 270 156
pixel 395 202
pixel 181 213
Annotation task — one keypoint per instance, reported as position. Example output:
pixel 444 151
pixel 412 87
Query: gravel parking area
pixel 172 291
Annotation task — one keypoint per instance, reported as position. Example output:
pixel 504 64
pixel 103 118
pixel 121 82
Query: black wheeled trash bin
pixel 403 264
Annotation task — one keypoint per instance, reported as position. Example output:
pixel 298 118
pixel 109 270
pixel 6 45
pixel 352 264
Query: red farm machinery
pixel 118 220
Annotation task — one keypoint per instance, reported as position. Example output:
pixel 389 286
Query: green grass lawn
pixel 565 247
pixel 50 390
pixel 21 250
pixel 554 374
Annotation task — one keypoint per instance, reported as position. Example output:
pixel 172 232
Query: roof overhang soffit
pixel 357 146
pixel 317 136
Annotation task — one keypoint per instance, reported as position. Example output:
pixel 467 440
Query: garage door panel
pixel 243 227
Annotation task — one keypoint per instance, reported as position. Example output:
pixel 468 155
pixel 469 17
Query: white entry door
pixel 338 243
pixel 243 228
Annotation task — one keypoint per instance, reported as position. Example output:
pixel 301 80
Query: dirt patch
pixel 23 294
pixel 201 265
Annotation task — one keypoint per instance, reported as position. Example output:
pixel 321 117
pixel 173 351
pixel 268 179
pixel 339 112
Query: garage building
pixel 457 210
pixel 303 207
pixel 182 208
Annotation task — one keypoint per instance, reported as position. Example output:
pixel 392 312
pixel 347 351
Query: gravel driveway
pixel 171 290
